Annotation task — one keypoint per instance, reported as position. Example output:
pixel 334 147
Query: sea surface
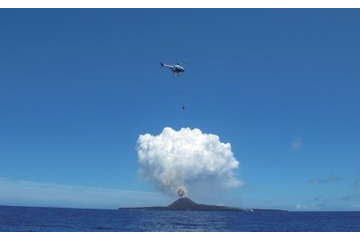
pixel 36 219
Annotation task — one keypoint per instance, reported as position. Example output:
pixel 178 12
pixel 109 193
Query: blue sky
pixel 78 87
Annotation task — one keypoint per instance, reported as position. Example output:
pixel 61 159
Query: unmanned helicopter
pixel 177 69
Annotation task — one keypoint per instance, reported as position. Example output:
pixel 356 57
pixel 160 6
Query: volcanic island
pixel 186 204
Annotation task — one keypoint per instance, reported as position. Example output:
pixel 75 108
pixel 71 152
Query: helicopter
pixel 177 69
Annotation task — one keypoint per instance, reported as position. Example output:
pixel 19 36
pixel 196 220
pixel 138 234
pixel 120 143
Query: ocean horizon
pixel 53 219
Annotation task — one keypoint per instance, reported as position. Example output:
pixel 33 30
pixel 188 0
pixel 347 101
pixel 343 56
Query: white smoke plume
pixel 173 160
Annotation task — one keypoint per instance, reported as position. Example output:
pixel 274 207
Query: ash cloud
pixel 174 160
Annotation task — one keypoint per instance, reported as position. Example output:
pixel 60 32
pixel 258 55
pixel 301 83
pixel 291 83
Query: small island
pixel 186 204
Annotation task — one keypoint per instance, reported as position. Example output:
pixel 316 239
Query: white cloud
pixel 356 205
pixel 354 197
pixel 175 159
pixel 348 202
pixel 317 203
pixel 296 145
pixel 357 182
pixel 332 178
pixel 301 206
pixel 26 193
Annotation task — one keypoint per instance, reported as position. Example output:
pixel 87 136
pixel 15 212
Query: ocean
pixel 41 219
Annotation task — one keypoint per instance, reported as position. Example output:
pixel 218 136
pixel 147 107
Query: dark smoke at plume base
pixel 181 192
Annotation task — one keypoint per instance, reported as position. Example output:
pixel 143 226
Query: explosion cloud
pixel 173 160
pixel 181 192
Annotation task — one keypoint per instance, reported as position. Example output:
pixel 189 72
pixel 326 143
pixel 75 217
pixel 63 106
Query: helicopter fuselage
pixel 176 68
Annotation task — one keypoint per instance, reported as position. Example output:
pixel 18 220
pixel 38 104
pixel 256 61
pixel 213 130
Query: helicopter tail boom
pixel 166 65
